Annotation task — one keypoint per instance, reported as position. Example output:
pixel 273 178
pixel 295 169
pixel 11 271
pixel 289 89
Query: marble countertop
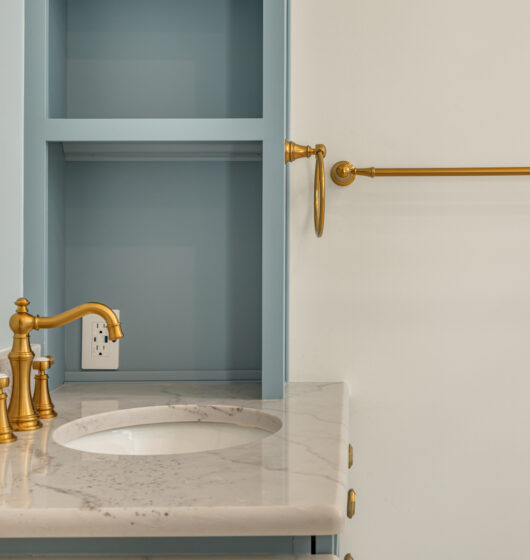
pixel 293 482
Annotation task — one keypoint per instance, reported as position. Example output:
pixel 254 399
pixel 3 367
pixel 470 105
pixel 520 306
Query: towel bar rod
pixel 344 173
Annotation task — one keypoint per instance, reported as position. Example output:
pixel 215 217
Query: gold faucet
pixel 21 411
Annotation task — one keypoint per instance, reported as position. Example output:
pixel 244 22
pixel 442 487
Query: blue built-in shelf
pixel 154 130
pixel 155 182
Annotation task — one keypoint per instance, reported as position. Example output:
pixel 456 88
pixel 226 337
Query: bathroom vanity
pixel 155 183
pixel 284 493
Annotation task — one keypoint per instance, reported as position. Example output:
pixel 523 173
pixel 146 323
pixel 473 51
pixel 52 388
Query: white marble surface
pixel 293 482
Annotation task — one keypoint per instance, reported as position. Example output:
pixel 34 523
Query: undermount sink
pixel 167 430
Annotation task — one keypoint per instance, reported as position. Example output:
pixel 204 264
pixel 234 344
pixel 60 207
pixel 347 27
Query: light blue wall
pixel 11 160
pixel 158 59
pixel 176 246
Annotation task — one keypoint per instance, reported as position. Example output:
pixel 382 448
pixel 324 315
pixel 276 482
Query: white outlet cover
pixel 97 350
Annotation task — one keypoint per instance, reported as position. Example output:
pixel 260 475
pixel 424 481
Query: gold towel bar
pixel 295 151
pixel 344 173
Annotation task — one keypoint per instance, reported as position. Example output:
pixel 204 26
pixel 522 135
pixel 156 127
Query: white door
pixel 418 293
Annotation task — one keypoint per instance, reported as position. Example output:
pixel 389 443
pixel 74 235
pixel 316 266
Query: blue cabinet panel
pixel 143 71
pixel 167 546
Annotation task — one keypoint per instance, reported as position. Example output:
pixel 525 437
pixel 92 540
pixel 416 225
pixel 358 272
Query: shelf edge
pixel 152 130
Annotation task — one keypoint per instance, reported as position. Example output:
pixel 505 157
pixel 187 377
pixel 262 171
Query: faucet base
pixel 41 397
pixel 6 432
pixel 47 414
pixel 25 423
pixel 7 437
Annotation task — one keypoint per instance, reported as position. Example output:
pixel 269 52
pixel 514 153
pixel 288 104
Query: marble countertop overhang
pixel 293 482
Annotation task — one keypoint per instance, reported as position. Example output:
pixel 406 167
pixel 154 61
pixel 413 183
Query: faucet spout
pixel 100 309
pixel 21 411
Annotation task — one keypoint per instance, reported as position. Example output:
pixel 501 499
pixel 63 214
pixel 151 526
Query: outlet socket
pixel 98 351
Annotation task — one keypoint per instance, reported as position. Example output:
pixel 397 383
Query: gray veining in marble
pixel 292 482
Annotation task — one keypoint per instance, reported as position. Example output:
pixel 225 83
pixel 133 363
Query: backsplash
pixel 5 366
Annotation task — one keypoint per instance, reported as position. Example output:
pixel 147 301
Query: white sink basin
pixel 167 430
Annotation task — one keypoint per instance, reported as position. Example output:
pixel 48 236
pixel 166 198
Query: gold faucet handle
pixel 6 430
pixel 41 395
pixel 43 364
pixel 4 381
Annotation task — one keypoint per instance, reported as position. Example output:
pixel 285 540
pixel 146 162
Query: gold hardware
pixel 319 194
pixel 6 431
pixel 350 510
pixel 344 173
pixel 350 456
pixel 21 411
pixel 295 151
pixel 41 395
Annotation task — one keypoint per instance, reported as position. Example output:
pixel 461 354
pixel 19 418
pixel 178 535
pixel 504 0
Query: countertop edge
pixel 174 522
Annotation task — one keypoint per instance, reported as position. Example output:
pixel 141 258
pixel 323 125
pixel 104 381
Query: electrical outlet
pixel 98 351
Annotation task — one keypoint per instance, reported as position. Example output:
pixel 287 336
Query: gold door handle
pixel 344 173
pixel 295 151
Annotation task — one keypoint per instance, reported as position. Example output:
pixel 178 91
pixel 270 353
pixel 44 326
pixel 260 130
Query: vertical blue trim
pixel 287 185
pixel 274 199
pixel 35 160
pixel 55 342
pixel 43 250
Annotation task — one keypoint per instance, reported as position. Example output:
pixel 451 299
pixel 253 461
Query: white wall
pixel 419 292
pixel 11 159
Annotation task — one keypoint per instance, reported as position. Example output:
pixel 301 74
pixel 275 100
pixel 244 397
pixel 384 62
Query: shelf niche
pixel 175 245
pixel 155 59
